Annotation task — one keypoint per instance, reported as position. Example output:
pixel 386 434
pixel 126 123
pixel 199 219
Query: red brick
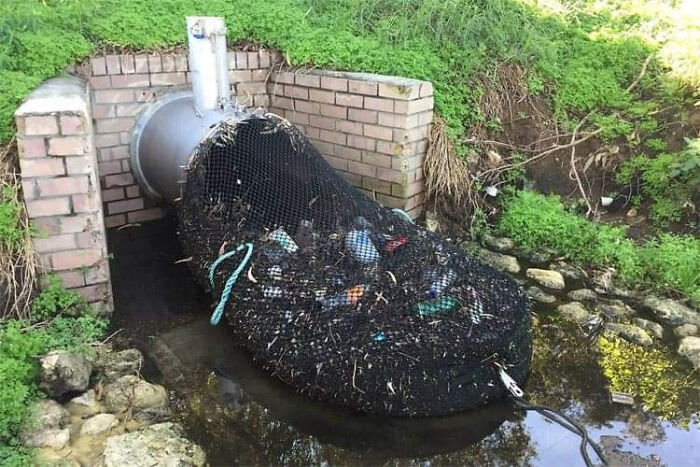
pixel 361 142
pixel 264 58
pixel 348 100
pixel 113 65
pixel 109 167
pixel 308 107
pixel 118 180
pixel 67 146
pixel 322 122
pixel 251 88
pixel 114 221
pixel 312 132
pixel 88 240
pixel 392 120
pixel 98 66
pixel 284 77
pixel 93 293
pixel 71 279
pixel 113 153
pixel 141 64
pixel 239 76
pixel 391 148
pixel 310 81
pixel 335 111
pixel 348 153
pixel 42 125
pixel 318 95
pixel 414 134
pixel 361 115
pixel 378 132
pixel 30 189
pixel 337 163
pixel 332 137
pixel 62 186
pixel 100 82
pixel 259 75
pixel 349 127
pixel 351 178
pixel 181 62
pixel 376 159
pixel 75 224
pixel 297 117
pixel 167 63
pixel 129 110
pixel 261 101
pixel 71 125
pixel 168 79
pixel 397 91
pixel 78 165
pixel 48 207
pixel 112 96
pixel 253 61
pixel 154 64
pixel 133 191
pixel 296 92
pixel 131 81
pixel 112 194
pixel 118 207
pixel 103 111
pixel 54 243
pixel 282 102
pixel 375 103
pixel 325 148
pixel 360 168
pixel 145 95
pixel 367 88
pixel 145 215
pixel 113 125
pixel 97 274
pixel 127 63
pixel 31 148
pixel 335 84
pixel 390 175
pixel 390 201
pixel 373 184
pixel 84 203
pixel 126 165
pixel 419 105
pixel 241 60
pixel 42 167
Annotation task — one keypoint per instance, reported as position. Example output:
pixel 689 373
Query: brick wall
pixel 373 129
pixel 61 188
pixel 122 86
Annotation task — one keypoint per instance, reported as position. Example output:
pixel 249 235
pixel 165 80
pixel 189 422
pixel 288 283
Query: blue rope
pixel 403 213
pixel 226 292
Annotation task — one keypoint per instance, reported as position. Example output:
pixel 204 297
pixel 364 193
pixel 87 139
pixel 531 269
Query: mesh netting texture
pixel 343 299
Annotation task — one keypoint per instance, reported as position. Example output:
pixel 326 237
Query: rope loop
pixel 226 292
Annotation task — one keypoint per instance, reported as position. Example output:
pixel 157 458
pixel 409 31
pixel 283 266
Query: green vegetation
pixel 62 321
pixel 653 375
pixel 668 263
pixel 11 233
pixel 669 180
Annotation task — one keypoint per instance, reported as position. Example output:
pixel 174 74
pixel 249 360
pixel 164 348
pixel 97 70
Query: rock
pixel 630 333
pixel 540 295
pixel 494 158
pixel 615 310
pixel 685 331
pixel 612 448
pixel 499 243
pixel 114 365
pixel 569 271
pixel 432 224
pixel 132 392
pixel 671 312
pixel 654 328
pixel 582 295
pixel 46 426
pixel 98 424
pixel 575 311
pixel 547 278
pixel 85 404
pixel 64 372
pixel 499 261
pixel 151 415
pixel 690 349
pixel 160 444
pixel 540 257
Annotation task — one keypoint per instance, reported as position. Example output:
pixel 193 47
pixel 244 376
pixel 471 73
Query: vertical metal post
pixel 206 39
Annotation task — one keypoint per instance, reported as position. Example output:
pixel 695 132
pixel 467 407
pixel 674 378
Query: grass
pixel 62 320
pixel 669 263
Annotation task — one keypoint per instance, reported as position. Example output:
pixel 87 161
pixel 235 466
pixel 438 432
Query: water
pixel 240 415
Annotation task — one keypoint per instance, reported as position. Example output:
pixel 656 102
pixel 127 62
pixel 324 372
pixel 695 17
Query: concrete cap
pixel 57 95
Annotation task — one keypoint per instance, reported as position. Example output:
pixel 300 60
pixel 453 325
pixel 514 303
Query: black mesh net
pixel 343 299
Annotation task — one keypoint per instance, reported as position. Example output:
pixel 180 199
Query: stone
pixel 133 392
pixel 500 261
pixel 615 310
pixel 690 348
pixel 654 328
pixel 540 295
pixel 114 365
pixel 630 333
pixel 547 278
pixel 582 295
pixel 432 223
pixel 671 312
pixel 575 311
pixel 63 372
pixel 160 444
pixel 540 257
pixel 685 330
pixel 568 271
pixel 85 404
pixel 46 426
pixel 501 244
pixel 98 424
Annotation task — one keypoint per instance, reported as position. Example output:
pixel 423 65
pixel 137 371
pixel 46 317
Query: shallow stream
pixel 240 415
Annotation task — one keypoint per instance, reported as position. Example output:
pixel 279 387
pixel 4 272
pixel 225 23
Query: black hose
pixel 566 422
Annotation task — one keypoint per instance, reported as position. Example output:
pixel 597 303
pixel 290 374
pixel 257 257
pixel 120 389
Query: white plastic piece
pixel 206 40
pixel 605 201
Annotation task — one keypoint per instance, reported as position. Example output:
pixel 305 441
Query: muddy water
pixel 242 416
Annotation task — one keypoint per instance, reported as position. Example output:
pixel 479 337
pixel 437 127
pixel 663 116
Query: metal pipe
pixel 206 41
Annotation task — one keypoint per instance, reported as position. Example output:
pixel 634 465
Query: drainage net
pixel 341 298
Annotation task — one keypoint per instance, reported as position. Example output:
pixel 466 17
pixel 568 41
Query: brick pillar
pixel 61 190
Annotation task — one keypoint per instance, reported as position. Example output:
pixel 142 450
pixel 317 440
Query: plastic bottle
pixel 348 297
pixel 360 246
pixel 441 283
pixel 284 240
pixel 435 306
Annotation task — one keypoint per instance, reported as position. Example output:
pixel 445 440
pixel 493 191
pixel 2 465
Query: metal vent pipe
pixel 169 130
